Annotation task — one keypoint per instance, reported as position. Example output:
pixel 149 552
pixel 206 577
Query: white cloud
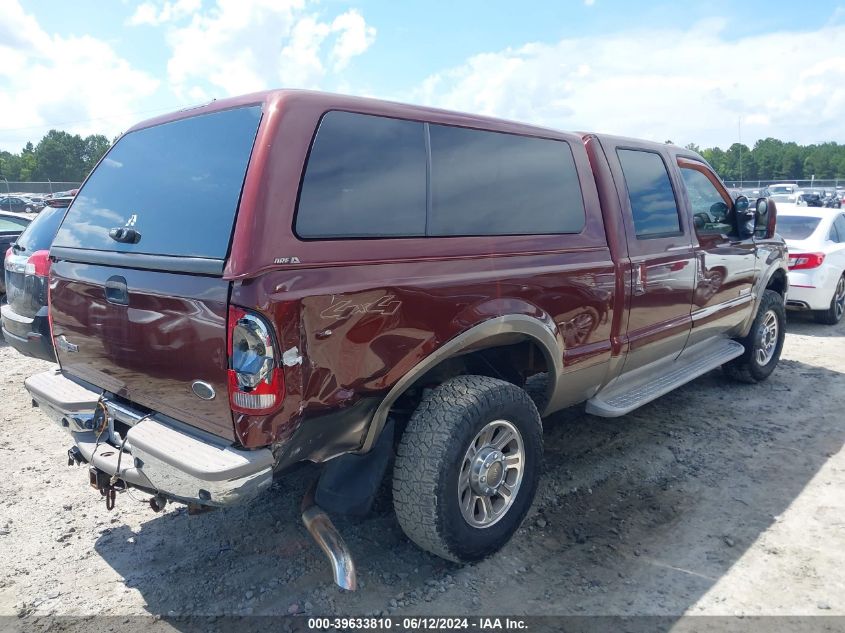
pixel 354 38
pixel 686 85
pixel 75 83
pixel 148 13
pixel 238 46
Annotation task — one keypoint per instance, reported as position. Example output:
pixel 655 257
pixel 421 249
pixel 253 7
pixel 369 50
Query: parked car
pixel 18 204
pixel 11 226
pixel 784 192
pixel 301 277
pixel 816 242
pixel 809 200
pixel 25 318
pixel 832 200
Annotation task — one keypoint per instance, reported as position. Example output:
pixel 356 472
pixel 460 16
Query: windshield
pixel 796 227
pixel 40 233
pixel 177 185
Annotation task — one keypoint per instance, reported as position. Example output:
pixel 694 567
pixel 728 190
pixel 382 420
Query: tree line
pixel 58 156
pixel 773 159
pixel 61 156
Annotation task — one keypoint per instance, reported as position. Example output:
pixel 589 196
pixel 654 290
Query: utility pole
pixel 739 133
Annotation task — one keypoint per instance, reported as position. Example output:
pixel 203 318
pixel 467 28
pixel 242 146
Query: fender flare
pixel 529 328
pixel 775 264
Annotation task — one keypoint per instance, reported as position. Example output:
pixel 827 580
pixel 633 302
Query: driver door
pixel 725 264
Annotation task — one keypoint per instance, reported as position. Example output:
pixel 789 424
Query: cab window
pixel 709 209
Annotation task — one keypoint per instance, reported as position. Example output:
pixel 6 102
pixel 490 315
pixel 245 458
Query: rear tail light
pixel 8 254
pixel 256 382
pixel 803 261
pixel 38 264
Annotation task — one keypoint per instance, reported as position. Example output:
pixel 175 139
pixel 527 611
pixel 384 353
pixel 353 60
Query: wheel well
pixel 778 283
pixel 512 362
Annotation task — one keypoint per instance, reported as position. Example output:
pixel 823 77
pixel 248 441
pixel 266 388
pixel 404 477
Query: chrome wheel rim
pixel 768 338
pixel 491 474
pixel 839 299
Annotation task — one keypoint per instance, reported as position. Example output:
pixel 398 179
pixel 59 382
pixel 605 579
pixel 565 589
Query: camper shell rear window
pixel 177 185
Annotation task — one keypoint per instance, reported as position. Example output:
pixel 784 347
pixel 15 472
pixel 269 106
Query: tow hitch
pixel 107 485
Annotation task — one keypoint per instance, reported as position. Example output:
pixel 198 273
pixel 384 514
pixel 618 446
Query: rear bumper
pixel 29 336
pixel 160 455
pixel 811 289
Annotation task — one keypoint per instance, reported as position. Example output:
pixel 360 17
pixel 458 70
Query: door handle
pixel 639 280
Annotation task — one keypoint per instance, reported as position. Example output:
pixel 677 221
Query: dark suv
pixel 25 318
pixel 292 276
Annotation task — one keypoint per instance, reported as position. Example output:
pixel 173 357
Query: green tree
pixel 94 146
pixel 28 163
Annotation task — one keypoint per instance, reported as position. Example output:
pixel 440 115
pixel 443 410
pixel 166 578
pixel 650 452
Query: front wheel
pixel 763 344
pixel 467 467
pixel 833 314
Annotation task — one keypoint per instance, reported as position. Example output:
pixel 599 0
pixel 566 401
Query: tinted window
pixel 41 231
pixel 12 224
pixel 487 183
pixel 177 184
pixel 652 199
pixel 366 177
pixel 796 227
pixel 709 209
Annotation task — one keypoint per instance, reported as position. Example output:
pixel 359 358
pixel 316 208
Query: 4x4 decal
pixel 343 308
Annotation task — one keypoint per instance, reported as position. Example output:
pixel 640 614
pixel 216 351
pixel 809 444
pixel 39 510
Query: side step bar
pixel 628 392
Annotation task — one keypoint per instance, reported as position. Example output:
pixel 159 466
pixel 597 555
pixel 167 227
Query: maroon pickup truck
pixel 387 290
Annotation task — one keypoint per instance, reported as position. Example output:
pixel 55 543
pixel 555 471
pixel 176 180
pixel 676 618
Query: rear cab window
pixel 653 205
pixel 177 184
pixel 378 177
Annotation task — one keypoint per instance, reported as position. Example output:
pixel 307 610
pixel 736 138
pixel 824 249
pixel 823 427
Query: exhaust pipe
pixel 322 530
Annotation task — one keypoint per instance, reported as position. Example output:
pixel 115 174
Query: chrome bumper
pixel 160 454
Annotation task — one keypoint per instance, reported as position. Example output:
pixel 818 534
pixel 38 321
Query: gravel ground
pixel 718 498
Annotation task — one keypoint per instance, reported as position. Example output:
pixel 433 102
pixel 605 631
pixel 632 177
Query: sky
pixel 707 72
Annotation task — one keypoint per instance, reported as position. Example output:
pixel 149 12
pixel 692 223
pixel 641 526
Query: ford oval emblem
pixel 203 390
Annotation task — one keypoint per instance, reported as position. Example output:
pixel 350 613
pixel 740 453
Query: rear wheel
pixel 467 467
pixel 833 314
pixel 763 344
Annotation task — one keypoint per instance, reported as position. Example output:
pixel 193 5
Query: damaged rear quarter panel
pixel 361 328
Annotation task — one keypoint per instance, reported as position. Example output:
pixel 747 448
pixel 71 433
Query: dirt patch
pixel 718 498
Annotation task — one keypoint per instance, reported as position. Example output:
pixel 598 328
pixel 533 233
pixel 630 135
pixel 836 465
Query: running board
pixel 627 393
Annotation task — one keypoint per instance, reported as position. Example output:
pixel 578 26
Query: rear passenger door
pixel 661 253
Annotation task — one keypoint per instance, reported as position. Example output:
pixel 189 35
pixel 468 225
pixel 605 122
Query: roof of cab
pixel 275 99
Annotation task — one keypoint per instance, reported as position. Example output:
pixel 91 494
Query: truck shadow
pixel 639 515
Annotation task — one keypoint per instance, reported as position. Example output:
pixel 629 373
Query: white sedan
pixel 816 241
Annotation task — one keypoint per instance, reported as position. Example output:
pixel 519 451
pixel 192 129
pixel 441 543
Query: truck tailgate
pixel 149 342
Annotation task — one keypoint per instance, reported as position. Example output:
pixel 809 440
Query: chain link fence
pixel 49 186
pixel 802 184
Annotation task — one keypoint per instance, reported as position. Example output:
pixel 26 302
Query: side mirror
pixel 765 221
pixel 744 217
